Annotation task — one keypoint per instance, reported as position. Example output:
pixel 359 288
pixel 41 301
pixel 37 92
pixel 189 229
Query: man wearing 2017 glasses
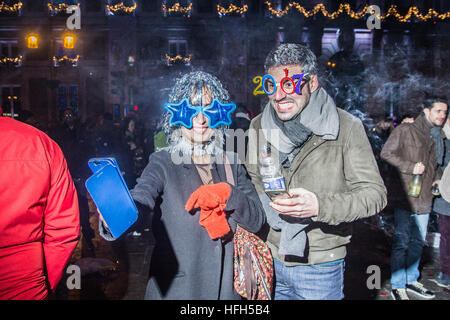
pixel 330 172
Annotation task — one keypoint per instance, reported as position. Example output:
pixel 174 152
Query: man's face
pixel 437 113
pixel 200 131
pixel 288 106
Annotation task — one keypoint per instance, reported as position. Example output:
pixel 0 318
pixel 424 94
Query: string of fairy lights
pixel 177 8
pixel 61 7
pixel 178 57
pixel 120 7
pixel 10 8
pixel 16 60
pixel 344 8
pixel 66 58
pixel 231 9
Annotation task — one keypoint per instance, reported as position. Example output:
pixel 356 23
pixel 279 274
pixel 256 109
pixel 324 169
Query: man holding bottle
pixel 413 151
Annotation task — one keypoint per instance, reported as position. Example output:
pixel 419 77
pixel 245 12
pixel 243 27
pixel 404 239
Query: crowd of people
pixel 130 141
pixel 333 177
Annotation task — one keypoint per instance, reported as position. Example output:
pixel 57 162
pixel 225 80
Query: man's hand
pixel 436 182
pixel 302 204
pixel 408 120
pixel 419 168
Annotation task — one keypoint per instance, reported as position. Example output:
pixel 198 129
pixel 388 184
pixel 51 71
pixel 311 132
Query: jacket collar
pixel 423 124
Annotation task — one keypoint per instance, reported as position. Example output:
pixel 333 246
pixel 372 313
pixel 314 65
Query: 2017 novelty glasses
pixel 182 113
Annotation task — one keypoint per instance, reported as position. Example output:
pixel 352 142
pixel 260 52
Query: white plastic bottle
pixel 273 181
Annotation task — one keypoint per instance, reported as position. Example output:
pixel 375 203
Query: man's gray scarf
pixel 298 134
pixel 436 135
pixel 319 117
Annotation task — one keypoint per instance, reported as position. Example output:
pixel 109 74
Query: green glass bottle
pixel 415 186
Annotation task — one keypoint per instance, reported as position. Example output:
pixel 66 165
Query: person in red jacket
pixel 39 217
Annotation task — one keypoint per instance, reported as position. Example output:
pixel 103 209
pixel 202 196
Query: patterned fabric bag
pixel 253 266
pixel 253 262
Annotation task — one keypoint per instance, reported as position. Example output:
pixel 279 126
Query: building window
pixel 93 5
pixel 178 53
pixel 127 3
pixel 183 3
pixel 9 52
pixel 9 48
pixel 149 5
pixel 64 55
pixel 11 99
pixel 255 6
pixel 60 51
pixel 227 3
pixel 36 5
pixel 205 6
pixel 178 48
pixel 67 97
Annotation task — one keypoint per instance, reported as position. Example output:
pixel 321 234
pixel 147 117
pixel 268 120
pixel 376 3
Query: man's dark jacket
pixel 408 144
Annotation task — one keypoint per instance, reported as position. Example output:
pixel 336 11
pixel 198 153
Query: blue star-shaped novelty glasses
pixel 183 113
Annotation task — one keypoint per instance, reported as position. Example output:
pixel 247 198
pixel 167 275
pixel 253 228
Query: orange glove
pixel 211 199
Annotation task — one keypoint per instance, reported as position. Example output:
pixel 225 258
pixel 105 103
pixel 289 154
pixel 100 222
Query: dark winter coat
pixel 186 263
pixel 408 144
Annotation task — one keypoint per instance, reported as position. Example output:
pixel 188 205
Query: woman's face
pixel 200 131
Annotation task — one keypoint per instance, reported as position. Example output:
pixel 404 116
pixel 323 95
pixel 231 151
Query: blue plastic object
pixel 111 195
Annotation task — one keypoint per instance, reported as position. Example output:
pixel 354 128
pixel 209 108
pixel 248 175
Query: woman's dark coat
pixel 186 263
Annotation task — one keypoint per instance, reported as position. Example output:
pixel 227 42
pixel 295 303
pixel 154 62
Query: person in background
pixel 442 207
pixel 104 136
pixel 412 150
pixel 39 218
pixel 149 133
pixel 384 128
pixel 132 159
pixel 76 146
pixel 241 120
pixel 378 137
pixel 131 143
pixel 159 138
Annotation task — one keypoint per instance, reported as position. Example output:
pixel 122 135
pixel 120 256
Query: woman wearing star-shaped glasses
pixel 194 206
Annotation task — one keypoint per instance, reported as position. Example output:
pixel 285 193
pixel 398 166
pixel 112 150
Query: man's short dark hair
pixel 292 53
pixel 428 103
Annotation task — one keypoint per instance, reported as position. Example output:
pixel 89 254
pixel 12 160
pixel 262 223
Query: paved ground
pixel 371 246
pixel 119 270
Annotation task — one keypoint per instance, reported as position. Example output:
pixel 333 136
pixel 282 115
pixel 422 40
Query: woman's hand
pixel 101 219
